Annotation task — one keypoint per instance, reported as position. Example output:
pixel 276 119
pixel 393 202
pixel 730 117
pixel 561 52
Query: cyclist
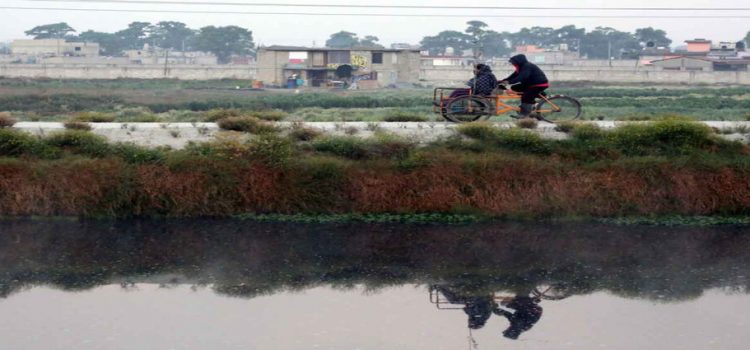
pixel 528 79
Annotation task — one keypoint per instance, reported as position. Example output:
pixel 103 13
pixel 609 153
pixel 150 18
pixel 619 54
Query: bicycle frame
pixel 500 106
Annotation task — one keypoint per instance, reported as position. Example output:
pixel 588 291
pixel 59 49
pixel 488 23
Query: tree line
pixel 221 41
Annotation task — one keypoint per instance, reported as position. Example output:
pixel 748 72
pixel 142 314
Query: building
pixel 704 64
pixel 157 55
pixel 324 66
pixel 445 61
pixel 53 48
pixel 698 46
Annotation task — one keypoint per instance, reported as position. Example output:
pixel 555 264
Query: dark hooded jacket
pixel 485 81
pixel 527 73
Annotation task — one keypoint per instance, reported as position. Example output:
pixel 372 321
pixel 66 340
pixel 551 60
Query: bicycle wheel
pixel 551 292
pixel 466 109
pixel 559 108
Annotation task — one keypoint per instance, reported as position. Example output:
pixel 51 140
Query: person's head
pixel 518 60
pixel 480 68
pixel 477 322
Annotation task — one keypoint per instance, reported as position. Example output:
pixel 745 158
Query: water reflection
pixel 246 259
pixel 499 278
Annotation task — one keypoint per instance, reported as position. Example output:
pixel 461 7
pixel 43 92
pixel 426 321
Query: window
pixel 339 57
pixel 377 58
pixel 78 48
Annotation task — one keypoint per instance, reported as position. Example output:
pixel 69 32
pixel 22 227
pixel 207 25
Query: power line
pixel 435 7
pixel 371 14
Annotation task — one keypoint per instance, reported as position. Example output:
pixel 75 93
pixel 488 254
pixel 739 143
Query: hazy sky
pixel 304 30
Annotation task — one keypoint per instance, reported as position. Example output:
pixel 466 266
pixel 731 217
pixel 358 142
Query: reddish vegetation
pixel 521 186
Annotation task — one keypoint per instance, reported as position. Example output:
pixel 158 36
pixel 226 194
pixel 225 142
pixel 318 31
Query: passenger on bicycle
pixel 477 308
pixel 527 314
pixel 483 83
pixel 528 79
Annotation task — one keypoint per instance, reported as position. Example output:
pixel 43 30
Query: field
pixel 189 101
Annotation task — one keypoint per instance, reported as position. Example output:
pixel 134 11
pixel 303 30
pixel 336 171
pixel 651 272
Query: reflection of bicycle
pixel 469 108
pixel 542 292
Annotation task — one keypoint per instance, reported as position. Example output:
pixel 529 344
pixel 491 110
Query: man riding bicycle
pixel 528 79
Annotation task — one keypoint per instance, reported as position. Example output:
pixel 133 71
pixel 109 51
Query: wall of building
pixel 457 75
pixel 131 71
pixel 56 47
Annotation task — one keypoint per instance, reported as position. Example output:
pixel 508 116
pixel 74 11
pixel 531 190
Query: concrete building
pixel 698 46
pixel 157 55
pixel 318 66
pixel 684 63
pixel 53 48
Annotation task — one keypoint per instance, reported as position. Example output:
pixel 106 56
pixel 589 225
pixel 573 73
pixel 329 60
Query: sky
pixel 314 30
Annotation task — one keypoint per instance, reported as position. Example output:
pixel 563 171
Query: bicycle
pixel 556 291
pixel 471 108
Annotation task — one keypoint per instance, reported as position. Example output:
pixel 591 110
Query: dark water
pixel 242 285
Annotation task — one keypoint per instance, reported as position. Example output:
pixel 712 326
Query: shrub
pixel 669 136
pixel 566 126
pixel 136 115
pixel 6 120
pixel 80 142
pixel 269 115
pixel 479 131
pixel 389 146
pixel 300 132
pixel 134 154
pixel 15 143
pixel 215 115
pixel 246 124
pixel 343 146
pixel 402 116
pixel 77 126
pixel 521 140
pixel 272 149
pixel 93 117
pixel 527 123
pixel 587 132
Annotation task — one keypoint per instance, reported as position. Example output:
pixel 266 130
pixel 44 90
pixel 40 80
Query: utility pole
pixel 166 62
pixel 609 52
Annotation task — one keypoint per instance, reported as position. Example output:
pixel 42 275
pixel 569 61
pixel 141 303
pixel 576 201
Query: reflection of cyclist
pixel 478 308
pixel 528 79
pixel 527 314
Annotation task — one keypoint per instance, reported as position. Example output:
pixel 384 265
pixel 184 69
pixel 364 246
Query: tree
pixel 342 40
pixel 438 44
pixel 370 41
pixel 51 31
pixel 494 44
pixel 747 39
pixel 596 44
pixel 656 36
pixel 540 36
pixel 109 44
pixel 225 41
pixel 134 37
pixel 476 29
pixel 171 35
pixel 570 35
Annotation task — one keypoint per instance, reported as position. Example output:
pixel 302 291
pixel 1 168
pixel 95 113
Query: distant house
pixel 698 46
pixel 321 66
pixel 157 55
pixel 705 64
pixel 53 48
pixel 445 61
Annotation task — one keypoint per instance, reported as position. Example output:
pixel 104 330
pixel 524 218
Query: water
pixel 242 285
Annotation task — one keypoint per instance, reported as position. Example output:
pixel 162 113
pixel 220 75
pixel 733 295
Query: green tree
pixel 540 36
pixel 342 40
pixel 225 41
pixel 50 31
pixel 134 37
pixel 656 36
pixel 570 35
pixel 370 41
pixel 596 44
pixel 109 44
pixel 438 44
pixel 171 35
pixel 476 29
pixel 494 44
pixel 747 39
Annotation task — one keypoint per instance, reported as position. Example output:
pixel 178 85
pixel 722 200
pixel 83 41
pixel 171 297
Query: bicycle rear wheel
pixel 466 109
pixel 551 292
pixel 559 108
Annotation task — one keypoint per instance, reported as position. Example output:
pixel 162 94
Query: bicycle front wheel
pixel 466 109
pixel 559 108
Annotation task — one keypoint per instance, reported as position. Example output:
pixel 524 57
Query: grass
pixel 663 168
pixel 246 124
pixel 6 120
